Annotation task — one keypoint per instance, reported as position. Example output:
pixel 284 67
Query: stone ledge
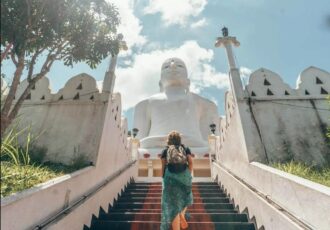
pixel 258 209
pixel 43 186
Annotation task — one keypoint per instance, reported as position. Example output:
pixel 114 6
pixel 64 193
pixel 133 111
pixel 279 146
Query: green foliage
pixel 22 167
pixel 15 178
pixel 77 30
pixel 318 175
pixel 69 30
pixel 79 161
pixel 37 154
pixel 11 149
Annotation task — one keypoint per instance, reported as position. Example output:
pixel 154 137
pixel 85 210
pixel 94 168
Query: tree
pixel 48 30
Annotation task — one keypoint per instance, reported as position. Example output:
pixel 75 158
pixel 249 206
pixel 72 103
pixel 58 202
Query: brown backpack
pixel 176 155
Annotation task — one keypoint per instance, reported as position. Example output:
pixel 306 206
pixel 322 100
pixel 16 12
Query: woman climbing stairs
pixel 139 207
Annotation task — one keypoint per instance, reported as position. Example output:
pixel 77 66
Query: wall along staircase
pixel 139 207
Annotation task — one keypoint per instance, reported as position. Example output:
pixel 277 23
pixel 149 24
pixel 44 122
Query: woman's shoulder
pixel 187 149
pixel 164 152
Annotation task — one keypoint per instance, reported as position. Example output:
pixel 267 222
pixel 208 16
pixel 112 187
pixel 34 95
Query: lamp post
pixel 135 132
pixel 212 127
pixel 135 144
pixel 225 31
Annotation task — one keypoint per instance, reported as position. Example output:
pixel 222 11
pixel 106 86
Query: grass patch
pixel 318 175
pixel 23 166
pixel 15 178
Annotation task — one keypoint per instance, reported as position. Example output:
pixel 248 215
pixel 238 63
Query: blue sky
pixel 285 36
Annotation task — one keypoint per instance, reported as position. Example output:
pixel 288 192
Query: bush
pixel 37 154
pixel 79 161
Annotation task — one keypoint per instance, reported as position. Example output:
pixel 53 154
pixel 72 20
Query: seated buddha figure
pixel 174 108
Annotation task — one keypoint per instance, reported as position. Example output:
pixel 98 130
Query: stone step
pixel 129 205
pixel 144 194
pixel 158 199
pixel 160 183
pixel 123 211
pixel 153 225
pixel 160 190
pixel 139 207
pixel 194 217
pixel 160 186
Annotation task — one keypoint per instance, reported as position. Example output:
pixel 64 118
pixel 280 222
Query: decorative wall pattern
pixel 311 82
pixel 280 123
pixel 71 121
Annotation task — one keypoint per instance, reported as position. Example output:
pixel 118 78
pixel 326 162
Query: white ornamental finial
pixel 235 79
pixel 227 41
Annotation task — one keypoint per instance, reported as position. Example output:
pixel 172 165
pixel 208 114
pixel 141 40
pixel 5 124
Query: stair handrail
pixel 267 198
pixel 81 199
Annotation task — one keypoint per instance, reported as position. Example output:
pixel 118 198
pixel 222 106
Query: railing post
pixel 150 169
pixel 212 150
pixel 135 148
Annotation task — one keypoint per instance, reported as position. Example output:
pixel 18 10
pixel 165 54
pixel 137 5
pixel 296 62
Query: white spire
pixel 110 77
pixel 235 79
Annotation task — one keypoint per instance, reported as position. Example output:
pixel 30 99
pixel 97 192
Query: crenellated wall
pixel 112 164
pixel 274 122
pixel 280 123
pixel 312 82
pixel 70 122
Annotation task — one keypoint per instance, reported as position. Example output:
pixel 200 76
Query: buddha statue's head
pixel 174 73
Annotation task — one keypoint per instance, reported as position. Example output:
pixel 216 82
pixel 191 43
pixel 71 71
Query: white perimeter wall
pixel 278 127
pixel 69 123
pixel 37 204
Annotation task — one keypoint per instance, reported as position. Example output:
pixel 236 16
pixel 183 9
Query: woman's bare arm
pixel 163 165
pixel 190 161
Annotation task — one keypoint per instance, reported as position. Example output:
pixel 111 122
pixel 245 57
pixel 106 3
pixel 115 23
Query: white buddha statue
pixel 174 108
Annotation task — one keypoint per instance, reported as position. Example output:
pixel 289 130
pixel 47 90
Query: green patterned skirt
pixel 176 195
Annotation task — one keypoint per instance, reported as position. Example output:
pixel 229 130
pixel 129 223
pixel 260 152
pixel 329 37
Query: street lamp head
pixel 212 127
pixel 225 31
pixel 135 132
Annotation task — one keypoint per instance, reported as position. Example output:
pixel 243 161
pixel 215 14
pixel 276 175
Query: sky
pixel 285 36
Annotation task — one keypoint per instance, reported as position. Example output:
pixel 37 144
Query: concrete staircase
pixel 139 207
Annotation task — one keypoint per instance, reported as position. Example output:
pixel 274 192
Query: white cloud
pixel 199 23
pixel 245 74
pixel 175 11
pixel 214 100
pixel 130 26
pixel 140 80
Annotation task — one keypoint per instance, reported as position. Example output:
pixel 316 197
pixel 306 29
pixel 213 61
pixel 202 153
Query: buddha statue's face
pixel 174 73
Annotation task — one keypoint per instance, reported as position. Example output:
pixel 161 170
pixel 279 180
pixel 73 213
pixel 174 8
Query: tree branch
pixel 32 63
pixel 13 58
pixel 5 52
pixel 13 88
pixel 21 99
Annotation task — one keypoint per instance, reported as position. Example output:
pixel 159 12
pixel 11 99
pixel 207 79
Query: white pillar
pixel 110 77
pixel 212 150
pixel 234 76
pixel 135 148
pixel 150 169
